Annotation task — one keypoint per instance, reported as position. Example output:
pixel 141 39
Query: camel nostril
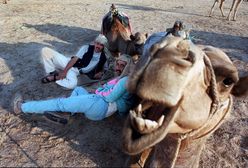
pixel 183 62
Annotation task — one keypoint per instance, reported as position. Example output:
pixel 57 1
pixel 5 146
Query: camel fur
pixel 121 40
pixel 188 99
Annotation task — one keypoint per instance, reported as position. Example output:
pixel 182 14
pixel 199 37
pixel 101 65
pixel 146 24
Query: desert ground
pixel 29 25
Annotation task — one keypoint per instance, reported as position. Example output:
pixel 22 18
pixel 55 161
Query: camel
pixel 120 36
pixel 108 20
pixel 235 2
pixel 188 99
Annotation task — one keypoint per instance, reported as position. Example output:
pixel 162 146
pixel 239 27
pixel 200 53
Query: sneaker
pixel 57 117
pixel 16 103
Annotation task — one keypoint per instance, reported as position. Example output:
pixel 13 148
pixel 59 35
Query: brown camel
pixel 235 3
pixel 188 99
pixel 117 30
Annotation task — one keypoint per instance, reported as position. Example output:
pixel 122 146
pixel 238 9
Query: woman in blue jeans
pixel 111 97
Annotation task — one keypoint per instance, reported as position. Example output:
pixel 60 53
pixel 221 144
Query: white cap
pixel 102 40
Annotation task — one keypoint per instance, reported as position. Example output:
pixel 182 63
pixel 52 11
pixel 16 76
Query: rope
pixel 213 86
pixel 176 153
pixel 219 122
pixel 214 106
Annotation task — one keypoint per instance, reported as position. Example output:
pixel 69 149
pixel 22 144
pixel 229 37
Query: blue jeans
pixel 80 101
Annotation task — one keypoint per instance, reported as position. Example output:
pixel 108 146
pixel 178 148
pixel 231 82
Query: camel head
pixel 121 40
pixel 117 29
pixel 137 42
pixel 177 84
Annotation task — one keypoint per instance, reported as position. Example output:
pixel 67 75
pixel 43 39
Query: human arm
pixel 73 61
pixel 62 74
pixel 118 90
pixel 99 74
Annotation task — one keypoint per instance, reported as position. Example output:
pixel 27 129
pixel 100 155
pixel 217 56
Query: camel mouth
pixel 148 116
pixel 147 125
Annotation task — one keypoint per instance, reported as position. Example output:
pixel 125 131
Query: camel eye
pixel 228 82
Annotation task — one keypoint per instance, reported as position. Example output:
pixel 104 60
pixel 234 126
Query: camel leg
pixel 4 1
pixel 221 8
pixel 229 14
pixel 236 9
pixel 212 9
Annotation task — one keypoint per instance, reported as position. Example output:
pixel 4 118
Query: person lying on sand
pixel 107 99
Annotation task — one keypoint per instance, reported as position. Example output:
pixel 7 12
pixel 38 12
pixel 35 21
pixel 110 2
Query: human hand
pixel 98 75
pixel 62 75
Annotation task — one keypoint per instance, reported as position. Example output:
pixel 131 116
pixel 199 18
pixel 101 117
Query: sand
pixel 29 25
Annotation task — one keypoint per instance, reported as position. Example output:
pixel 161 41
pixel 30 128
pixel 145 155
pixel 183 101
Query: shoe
pixel 57 117
pixel 54 72
pixel 16 103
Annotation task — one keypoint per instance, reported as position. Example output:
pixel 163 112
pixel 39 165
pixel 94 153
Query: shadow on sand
pixel 205 38
pixel 23 62
pixel 143 8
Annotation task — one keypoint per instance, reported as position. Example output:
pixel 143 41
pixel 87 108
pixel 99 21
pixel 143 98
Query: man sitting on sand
pixel 108 99
pixel 90 60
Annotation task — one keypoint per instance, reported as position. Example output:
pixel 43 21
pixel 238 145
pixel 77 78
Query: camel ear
pixel 240 88
pixel 132 37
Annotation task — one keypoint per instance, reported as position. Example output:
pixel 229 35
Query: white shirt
pixel 112 108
